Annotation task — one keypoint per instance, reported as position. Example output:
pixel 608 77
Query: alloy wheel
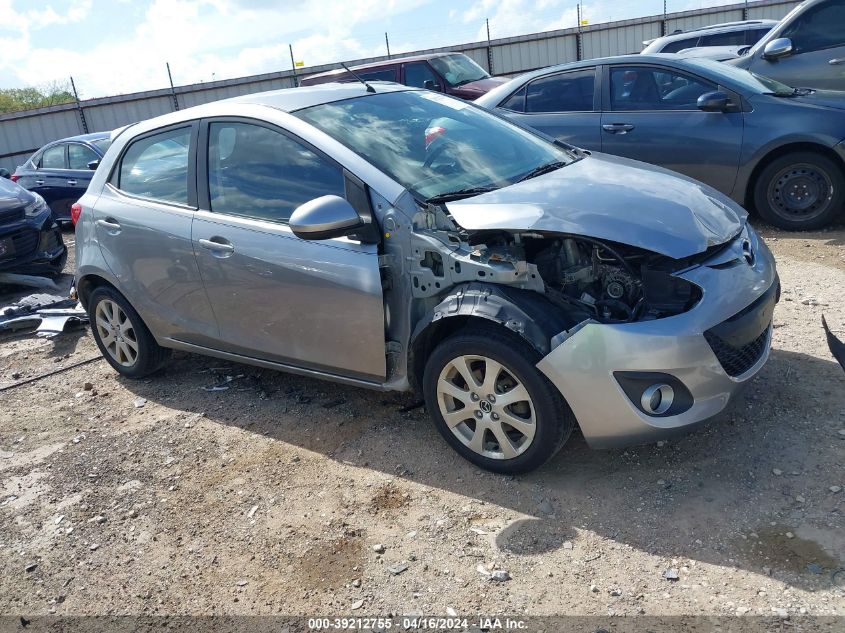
pixel 486 407
pixel 116 333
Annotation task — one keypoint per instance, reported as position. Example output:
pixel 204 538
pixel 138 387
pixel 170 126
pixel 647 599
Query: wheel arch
pixel 525 313
pixel 782 150
pixel 89 283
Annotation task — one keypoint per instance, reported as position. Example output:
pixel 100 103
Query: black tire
pixel 553 419
pixel 150 355
pixel 800 191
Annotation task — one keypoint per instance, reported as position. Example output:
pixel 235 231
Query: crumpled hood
pixel 610 198
pixel 482 86
pixel 13 196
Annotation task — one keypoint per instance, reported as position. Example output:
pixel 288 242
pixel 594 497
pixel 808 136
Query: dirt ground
pixel 285 495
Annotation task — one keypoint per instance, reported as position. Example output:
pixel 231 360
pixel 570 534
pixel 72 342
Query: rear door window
pixel 730 38
pixel 257 172
pixel 54 157
pixel 78 156
pixel 679 45
pixel 156 166
pixel 387 74
pixel 566 92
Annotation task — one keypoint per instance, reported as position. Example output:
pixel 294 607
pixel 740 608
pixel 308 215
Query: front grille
pixel 23 242
pixel 11 215
pixel 737 360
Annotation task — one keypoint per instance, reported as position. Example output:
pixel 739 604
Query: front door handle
pixel 219 246
pixel 617 128
pixel 110 224
pixel 72 183
pixel 39 182
pixel 837 61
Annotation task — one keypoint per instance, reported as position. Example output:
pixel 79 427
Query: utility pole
pixel 79 108
pixel 293 67
pixel 489 49
pixel 663 21
pixel 387 44
pixel 172 89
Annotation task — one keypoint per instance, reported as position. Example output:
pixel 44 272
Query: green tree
pixel 16 99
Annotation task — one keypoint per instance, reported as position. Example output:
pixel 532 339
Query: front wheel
pixel 800 191
pixel 491 404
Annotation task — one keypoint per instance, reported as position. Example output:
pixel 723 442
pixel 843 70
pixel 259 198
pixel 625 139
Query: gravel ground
pixel 284 495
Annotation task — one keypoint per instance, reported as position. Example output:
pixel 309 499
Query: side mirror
pixel 324 218
pixel 94 164
pixel 713 101
pixel 430 84
pixel 4 173
pixel 778 48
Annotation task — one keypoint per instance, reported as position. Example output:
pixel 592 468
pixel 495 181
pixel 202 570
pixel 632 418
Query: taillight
pixel 75 212
pixel 15 177
pixel 431 133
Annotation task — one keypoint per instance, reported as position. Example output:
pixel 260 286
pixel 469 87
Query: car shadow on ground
pixel 750 490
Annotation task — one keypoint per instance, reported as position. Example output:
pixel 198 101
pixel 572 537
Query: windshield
pixel 458 69
pixel 745 78
pixel 432 144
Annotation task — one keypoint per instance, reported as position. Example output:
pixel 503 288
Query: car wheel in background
pixel 491 404
pixel 121 335
pixel 800 191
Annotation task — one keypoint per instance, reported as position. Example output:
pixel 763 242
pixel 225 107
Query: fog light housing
pixel 655 394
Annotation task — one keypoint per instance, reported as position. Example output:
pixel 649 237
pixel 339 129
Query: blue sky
pixel 119 46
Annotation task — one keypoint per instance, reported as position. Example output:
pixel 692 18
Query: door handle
pixel 72 183
pixel 617 128
pixel 837 61
pixel 110 224
pixel 39 182
pixel 219 246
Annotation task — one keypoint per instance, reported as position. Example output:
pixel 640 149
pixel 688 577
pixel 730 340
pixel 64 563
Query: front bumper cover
pixel 734 290
pixel 36 247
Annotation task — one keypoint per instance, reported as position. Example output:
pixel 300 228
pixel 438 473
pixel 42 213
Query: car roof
pixel 384 62
pixel 703 30
pixel 85 138
pixel 292 99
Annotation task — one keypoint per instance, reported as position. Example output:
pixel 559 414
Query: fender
pixel 527 313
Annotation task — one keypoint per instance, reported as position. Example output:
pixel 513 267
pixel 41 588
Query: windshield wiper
pixel 460 193
pixel 543 169
pixel 468 81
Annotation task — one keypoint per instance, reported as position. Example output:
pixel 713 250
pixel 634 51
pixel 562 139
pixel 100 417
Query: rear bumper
pixel 707 354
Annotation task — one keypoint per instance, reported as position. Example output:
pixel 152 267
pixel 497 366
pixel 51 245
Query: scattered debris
pixel 500 575
pixel 789 535
pixel 30 281
pixel 451 612
pixel 398 568
pixel 671 574
pixel 357 605
pixel 815 568
pixel 252 512
pixel 379 548
pixel 139 402
pixel 835 489
pixel 242 583
pixel 777 472
pixel 31 567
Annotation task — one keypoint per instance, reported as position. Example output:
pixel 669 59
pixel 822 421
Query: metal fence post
pixel 579 51
pixel 745 10
pixel 172 89
pixel 489 49
pixel 387 44
pixel 79 108
pixel 663 21
pixel 293 67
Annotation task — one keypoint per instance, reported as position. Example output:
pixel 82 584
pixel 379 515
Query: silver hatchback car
pixel 401 239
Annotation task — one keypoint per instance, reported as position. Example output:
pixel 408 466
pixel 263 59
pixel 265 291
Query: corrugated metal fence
pixel 21 133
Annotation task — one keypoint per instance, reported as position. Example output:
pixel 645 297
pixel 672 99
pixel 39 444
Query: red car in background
pixel 452 73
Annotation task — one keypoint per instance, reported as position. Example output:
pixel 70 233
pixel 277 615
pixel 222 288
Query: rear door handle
pixel 617 128
pixel 39 182
pixel 837 61
pixel 110 224
pixel 219 246
pixel 72 183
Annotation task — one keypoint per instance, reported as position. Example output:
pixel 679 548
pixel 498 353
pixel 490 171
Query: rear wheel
pixel 800 191
pixel 491 403
pixel 122 336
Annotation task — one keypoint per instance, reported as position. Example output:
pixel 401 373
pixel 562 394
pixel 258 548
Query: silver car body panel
pixel 595 198
pixel 345 311
pixel 582 366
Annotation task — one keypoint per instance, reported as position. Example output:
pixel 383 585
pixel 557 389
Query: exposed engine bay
pixel 611 282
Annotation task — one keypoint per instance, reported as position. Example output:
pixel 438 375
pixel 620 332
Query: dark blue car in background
pixel 60 171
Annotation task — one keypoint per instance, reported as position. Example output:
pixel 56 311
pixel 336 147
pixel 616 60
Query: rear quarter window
pixel 156 166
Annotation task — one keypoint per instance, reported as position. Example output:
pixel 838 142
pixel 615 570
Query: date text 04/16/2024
pixel 411 623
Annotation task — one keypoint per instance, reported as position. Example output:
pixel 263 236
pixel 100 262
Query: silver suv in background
pixel 743 33
pixel 806 49
pixel 402 239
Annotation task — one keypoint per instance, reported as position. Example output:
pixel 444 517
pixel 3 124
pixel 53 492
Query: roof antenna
pixel 354 74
